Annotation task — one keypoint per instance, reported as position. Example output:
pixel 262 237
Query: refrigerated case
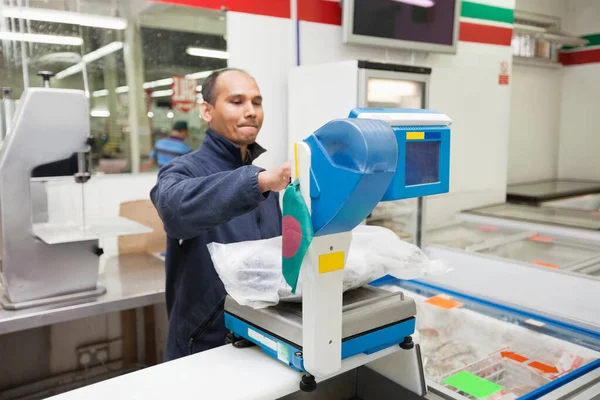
pixel 587 202
pixel 591 269
pixel 471 236
pixel 523 246
pixel 546 251
pixel 535 193
pixel 482 350
pixel 320 93
pixel 540 215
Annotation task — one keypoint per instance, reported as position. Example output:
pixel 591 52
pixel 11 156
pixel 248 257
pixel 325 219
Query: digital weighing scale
pixel 344 170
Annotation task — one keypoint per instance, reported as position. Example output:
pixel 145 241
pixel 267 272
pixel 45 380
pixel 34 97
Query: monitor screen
pixel 427 25
pixel 422 163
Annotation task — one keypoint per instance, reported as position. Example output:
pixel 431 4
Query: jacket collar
pixel 228 151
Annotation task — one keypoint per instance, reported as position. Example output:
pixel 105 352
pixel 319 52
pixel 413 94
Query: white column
pixel 135 94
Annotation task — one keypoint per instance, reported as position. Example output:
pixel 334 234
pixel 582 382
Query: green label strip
pixel 594 40
pixel 490 13
pixel 472 384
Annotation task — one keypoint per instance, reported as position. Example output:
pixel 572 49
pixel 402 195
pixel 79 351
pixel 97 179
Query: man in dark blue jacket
pixel 214 194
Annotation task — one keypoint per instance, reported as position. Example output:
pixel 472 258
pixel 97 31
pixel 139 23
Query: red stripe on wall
pixel 271 8
pixel 322 11
pixel 580 57
pixel 487 34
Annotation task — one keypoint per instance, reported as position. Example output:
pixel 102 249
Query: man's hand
pixel 275 179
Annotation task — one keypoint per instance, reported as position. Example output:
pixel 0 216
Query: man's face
pixel 237 113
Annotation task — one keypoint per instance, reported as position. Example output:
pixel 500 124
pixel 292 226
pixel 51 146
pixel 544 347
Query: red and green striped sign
pixel 588 54
pixel 485 23
pixel 481 21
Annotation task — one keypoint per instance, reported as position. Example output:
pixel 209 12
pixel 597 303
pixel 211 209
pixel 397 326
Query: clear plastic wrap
pixel 251 270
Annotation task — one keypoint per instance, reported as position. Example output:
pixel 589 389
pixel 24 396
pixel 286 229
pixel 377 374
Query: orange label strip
pixel 446 304
pixel 543 367
pixel 545 264
pixel 513 356
pixel 543 239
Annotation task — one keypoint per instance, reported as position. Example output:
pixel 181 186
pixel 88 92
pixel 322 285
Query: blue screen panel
pixel 422 163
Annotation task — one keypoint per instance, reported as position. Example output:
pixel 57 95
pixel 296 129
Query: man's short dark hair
pixel 208 87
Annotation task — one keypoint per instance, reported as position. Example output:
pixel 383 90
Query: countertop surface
pixel 131 281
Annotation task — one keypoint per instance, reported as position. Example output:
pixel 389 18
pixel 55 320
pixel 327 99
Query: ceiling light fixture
pixel 160 82
pixel 36 38
pixel 100 93
pixel 100 113
pixel 64 17
pixel 420 3
pixel 199 75
pixel 90 57
pixel 157 83
pixel 162 93
pixel 209 53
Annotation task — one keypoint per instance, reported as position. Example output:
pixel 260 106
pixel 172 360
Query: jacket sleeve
pixel 188 204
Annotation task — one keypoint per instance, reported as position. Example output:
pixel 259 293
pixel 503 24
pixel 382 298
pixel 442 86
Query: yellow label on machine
pixel 296 159
pixel 415 135
pixel 331 262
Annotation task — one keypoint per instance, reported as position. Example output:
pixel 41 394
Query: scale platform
pixel 372 320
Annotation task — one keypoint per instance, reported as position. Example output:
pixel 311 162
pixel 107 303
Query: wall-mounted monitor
pixel 417 25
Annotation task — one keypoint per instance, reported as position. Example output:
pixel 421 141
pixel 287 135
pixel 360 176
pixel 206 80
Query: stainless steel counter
pixel 131 281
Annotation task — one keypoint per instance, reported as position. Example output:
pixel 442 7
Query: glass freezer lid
pixel 466 234
pixel 486 351
pixel 590 270
pixel 588 202
pixel 547 215
pixel 544 251
pixel 562 187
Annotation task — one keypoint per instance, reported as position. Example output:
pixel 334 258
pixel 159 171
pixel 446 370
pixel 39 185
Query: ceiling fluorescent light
pixel 90 57
pixel 162 93
pixel 36 38
pixel 420 3
pixel 100 93
pixel 65 17
pixel 160 82
pixel 209 53
pixel 100 113
pixel 199 75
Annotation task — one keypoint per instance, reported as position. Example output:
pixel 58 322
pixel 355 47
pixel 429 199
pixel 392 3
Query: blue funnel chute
pixel 352 164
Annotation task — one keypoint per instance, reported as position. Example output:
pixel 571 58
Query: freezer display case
pixel 534 193
pixel 541 215
pixel 471 236
pixel 545 251
pixel 481 350
pixel 397 216
pixel 591 269
pixel 588 202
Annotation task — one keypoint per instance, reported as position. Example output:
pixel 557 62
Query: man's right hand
pixel 275 179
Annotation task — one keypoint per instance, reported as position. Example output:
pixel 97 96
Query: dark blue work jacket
pixel 209 195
